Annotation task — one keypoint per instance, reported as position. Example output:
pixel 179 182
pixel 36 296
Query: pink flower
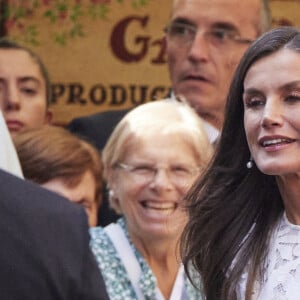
pixel 62 14
pixel 9 24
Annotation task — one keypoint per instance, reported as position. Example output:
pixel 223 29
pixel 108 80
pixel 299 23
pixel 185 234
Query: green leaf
pixel 139 3
pixel 76 12
pixel 32 29
pixel 20 12
pixel 60 38
pixel 61 7
pixel 50 15
pixel 76 30
pixel 103 11
pixel 98 11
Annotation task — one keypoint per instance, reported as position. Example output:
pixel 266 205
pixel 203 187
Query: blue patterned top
pixel 117 282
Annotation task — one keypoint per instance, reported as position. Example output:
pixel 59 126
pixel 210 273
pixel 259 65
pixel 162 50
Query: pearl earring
pixel 250 163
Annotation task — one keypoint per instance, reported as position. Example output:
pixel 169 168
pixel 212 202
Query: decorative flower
pixel 68 13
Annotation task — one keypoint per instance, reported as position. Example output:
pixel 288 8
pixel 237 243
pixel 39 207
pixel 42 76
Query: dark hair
pixel 8 44
pixel 233 209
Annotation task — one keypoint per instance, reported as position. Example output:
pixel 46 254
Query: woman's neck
pixel 163 258
pixel 161 252
pixel 289 187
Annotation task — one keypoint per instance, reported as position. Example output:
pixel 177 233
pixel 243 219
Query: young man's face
pixel 22 91
pixel 203 50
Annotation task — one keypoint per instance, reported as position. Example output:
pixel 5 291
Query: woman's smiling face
pixel 151 182
pixel 272 112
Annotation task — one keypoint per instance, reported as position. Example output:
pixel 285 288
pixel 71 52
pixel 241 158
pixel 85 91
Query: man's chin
pixel 195 100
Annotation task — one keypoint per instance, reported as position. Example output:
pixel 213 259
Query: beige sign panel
pixel 285 12
pixel 119 61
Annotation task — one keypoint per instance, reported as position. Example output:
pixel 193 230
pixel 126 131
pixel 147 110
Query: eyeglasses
pixel 144 173
pixel 182 34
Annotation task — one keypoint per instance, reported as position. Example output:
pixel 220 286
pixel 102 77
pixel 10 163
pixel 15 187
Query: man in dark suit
pixel 97 128
pixel 44 252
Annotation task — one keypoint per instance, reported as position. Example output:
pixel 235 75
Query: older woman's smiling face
pixel 151 183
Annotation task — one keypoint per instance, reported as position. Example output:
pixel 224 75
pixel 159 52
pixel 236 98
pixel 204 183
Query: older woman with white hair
pixel 152 157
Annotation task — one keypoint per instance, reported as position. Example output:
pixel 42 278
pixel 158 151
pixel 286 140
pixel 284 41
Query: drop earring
pixel 250 163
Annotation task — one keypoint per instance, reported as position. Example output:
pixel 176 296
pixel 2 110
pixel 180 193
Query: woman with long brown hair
pixel 243 234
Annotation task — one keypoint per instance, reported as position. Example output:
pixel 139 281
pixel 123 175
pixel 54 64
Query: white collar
pixel 9 160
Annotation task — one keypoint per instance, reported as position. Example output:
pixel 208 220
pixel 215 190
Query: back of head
pixel 51 152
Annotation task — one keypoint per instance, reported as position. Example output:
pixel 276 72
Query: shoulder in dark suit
pixel 98 127
pixel 44 252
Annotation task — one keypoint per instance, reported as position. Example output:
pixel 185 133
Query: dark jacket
pixel 44 251
pixel 96 129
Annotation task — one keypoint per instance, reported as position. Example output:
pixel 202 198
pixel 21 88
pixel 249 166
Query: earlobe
pixel 111 194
